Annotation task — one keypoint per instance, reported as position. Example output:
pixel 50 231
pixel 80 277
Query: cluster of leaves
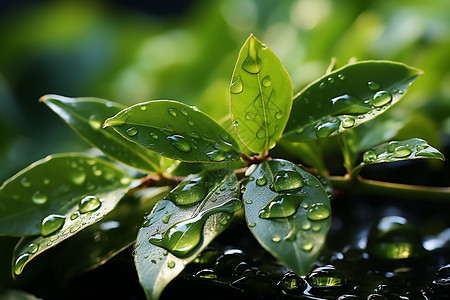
pixel 164 142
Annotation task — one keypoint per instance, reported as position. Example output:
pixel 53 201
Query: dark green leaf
pixel 288 212
pixel 86 116
pixel 399 150
pixel 183 224
pixel 261 96
pixel 11 294
pixel 309 153
pixel 56 185
pixel 347 98
pixel 175 130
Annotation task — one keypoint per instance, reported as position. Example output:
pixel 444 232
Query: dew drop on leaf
pixel 369 156
pixel 25 182
pixel 373 85
pixel 278 114
pixel 167 129
pixel 326 277
pixel 20 263
pixel 318 212
pixel 132 131
pixel 401 151
pixel 287 180
pixel 252 64
pixel 172 112
pixel 216 155
pixel 341 76
pixel 276 238
pixel 261 181
pixel 180 143
pixel 170 264
pixel 236 86
pixel 51 224
pixel 143 106
pixel 89 204
pixel 188 192
pixel 190 122
pixel 154 135
pixel 326 129
pixel 281 206
pixel 381 98
pixel 307 244
pixel 39 198
pixel 183 111
pixel 94 122
pixel 78 177
pixel 250 116
pixel 267 81
pixel 33 248
pixel 348 122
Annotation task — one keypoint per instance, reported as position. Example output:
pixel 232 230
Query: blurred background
pixel 135 50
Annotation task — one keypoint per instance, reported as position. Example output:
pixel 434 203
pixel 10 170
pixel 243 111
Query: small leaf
pixel 347 98
pixel 183 224
pixel 261 96
pixel 175 130
pixel 55 185
pixel 86 116
pixel 288 212
pixel 399 150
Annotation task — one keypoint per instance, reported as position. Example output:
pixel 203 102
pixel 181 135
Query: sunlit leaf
pixel 261 96
pixel 288 212
pixel 86 116
pixel 175 130
pixel 346 98
pixel 183 224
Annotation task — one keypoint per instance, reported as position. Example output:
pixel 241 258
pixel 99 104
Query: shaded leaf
pixel 288 212
pixel 86 116
pixel 183 224
pixel 261 96
pixel 399 150
pixel 346 98
pixel 12 294
pixel 55 185
pixel 175 130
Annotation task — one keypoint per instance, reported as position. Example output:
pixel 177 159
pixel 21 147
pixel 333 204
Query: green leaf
pixel 175 130
pixel 11 294
pixel 346 98
pixel 261 96
pixel 98 243
pixel 183 224
pixel 399 150
pixel 56 185
pixel 86 116
pixel 288 212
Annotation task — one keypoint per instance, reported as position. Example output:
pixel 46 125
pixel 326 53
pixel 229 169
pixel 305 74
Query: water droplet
pixel 349 104
pixel 330 79
pixel 25 182
pixel 190 122
pixel 278 114
pixel 261 181
pixel 391 146
pixel 154 135
pixel 167 129
pixel 206 274
pixel 171 264
pixel 183 111
pixel 78 177
pixel 321 85
pixel 252 64
pixel 281 206
pixel 180 143
pixel 236 85
pixel 132 131
pixel 33 248
pixel 251 225
pixel 287 180
pixel 96 171
pixel 51 224
pixel 20 263
pixel 307 244
pixel 39 198
pixel 318 212
pixel 373 86
pixel 348 122
pixel 326 129
pixel 276 238
pixel 326 277
pixel 381 98
pixel 166 219
pixel 89 204
pixel 172 112
pixel 267 81
pixel 125 180
pixel 249 201
pixel 401 151
pixel 235 123
pixel 250 116
pixel 94 122
pixel 75 215
pixel 305 224
pixel 394 238
pixel 189 192
pixel 143 106
pixel 341 76
pixel 216 155
pixel 369 156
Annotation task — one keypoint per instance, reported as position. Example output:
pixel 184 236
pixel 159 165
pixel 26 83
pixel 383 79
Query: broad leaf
pixel 399 150
pixel 183 224
pixel 347 97
pixel 288 212
pixel 175 130
pixel 261 96
pixel 86 116
pixel 98 243
pixel 55 186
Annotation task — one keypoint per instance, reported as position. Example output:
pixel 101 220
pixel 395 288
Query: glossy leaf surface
pixel 400 150
pixel 175 130
pixel 347 97
pixel 261 96
pixel 174 234
pixel 86 116
pixel 288 212
pixel 56 185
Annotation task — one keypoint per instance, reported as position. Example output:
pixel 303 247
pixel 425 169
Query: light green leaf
pixel 175 130
pixel 346 98
pixel 86 116
pixel 261 96
pixel 183 224
pixel 399 150
pixel 55 185
pixel 288 212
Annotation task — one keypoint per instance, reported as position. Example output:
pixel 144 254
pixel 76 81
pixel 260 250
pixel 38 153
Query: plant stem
pixel 367 186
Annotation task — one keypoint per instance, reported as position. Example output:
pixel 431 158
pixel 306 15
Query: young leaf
pixel 60 187
pixel 261 96
pixel 288 212
pixel 86 116
pixel 175 130
pixel 399 150
pixel 346 98
pixel 183 224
